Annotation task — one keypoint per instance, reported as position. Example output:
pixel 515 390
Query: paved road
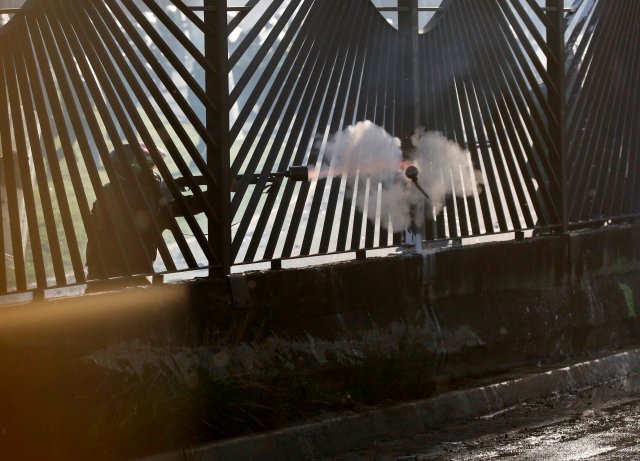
pixel 596 424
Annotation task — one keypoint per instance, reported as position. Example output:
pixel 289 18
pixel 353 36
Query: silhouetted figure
pixel 128 232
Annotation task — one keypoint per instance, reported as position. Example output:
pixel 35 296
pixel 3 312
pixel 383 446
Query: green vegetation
pixel 88 413
pixel 628 296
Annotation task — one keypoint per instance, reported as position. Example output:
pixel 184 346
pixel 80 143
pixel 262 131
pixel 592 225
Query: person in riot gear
pixel 126 233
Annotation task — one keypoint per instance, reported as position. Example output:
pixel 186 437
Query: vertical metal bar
pixel 177 65
pixel 425 102
pixel 581 34
pixel 479 119
pixel 370 112
pixel 301 86
pixel 530 73
pixel 367 110
pixel 113 14
pixel 385 111
pixel 301 57
pixel 556 71
pixel 630 200
pixel 63 74
pixel 162 72
pixel 467 204
pixel 108 28
pixel 347 98
pixel 293 43
pixel 258 59
pixel 355 114
pixel 217 122
pixel 317 95
pixel 51 98
pixel 175 34
pixel 446 76
pixel 30 84
pixel 133 86
pixel 390 118
pixel 89 97
pixel 97 58
pixel 293 120
pixel 92 58
pixel 25 178
pixel 473 41
pixel 473 146
pixel 501 117
pixel 297 81
pixel 11 182
pixel 33 138
pixel 363 238
pixel 334 98
pixel 522 111
pixel 252 34
pixel 614 117
pixel 586 112
pixel 408 24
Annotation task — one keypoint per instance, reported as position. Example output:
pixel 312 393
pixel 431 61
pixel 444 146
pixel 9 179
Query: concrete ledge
pixel 341 434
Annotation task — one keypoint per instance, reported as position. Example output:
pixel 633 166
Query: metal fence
pixel 541 94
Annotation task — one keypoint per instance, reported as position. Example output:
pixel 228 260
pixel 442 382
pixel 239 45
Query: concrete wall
pixel 470 310
pixel 76 372
pixel 462 311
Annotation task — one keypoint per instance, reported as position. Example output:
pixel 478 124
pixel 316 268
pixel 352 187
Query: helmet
pixel 124 159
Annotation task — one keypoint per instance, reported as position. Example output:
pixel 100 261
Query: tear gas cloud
pixel 370 156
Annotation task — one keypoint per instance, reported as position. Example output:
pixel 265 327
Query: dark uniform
pixel 126 242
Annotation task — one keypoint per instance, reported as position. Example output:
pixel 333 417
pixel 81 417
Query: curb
pixel 346 433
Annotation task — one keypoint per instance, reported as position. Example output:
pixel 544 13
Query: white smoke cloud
pixel 371 157
pixel 445 167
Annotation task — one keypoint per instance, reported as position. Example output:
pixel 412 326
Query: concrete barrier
pixel 454 313
pixel 475 309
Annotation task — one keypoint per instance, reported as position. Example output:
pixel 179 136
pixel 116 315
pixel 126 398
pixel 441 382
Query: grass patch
pixel 88 413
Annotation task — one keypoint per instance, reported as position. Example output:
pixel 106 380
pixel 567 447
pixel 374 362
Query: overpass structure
pixel 540 96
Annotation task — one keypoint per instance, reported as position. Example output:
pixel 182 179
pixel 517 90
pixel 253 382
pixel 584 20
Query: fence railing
pixel 539 97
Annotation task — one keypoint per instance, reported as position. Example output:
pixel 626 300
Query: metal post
pixel 217 122
pixel 557 127
pixel 408 24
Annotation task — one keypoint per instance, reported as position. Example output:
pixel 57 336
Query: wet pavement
pixel 596 424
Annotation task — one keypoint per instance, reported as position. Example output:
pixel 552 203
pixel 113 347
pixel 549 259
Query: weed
pixel 87 412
